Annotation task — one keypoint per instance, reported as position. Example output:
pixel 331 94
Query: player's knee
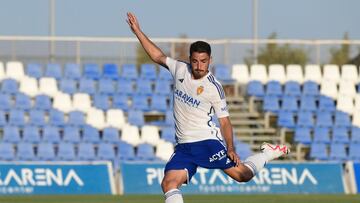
pixel 244 176
pixel 168 184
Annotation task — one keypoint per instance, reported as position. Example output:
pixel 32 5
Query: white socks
pixel 256 162
pixel 173 196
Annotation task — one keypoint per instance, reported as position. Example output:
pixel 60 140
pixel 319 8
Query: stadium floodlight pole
pixel 255 31
pixel 52 28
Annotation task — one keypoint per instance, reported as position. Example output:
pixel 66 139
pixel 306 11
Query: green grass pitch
pixel 187 199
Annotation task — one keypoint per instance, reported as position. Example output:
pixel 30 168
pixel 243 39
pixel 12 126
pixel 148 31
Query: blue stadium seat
pixel 169 118
pixel 355 134
pixel 168 134
pixel 318 151
pixel 144 87
pixel 72 71
pixel 86 152
pixel 136 117
pixel 101 101
pixel 342 119
pixel 273 88
pixel 51 134
pixel 76 118
pixel 92 71
pixel 7 151
pixel 255 88
pixel 3 120
pixel 17 117
pixel 310 88
pixel 5 102
pixel 126 151
pixel 308 103
pixel 326 104
pixel 68 86
pixel 302 135
pixel 340 135
pixel 321 135
pixel 159 103
pixel 162 87
pixel 271 103
pixel 354 152
pixel 66 151
pixel 9 86
pixel 324 119
pixel 31 134
pixel 46 151
pixel 120 101
pixel 22 102
pixel 289 103
pixel 34 70
pixel 110 71
pixel 53 70
pixel 140 102
pixel 56 118
pixel 129 71
pixel 25 151
pixel 164 74
pixel 106 86
pixel 106 151
pixel 305 119
pixel 111 135
pixel 286 119
pixel 243 149
pixel 11 134
pixel 337 152
pixel 145 152
pixel 223 73
pixel 148 71
pixel 292 88
pixel 71 134
pixel 43 102
pixel 87 86
pixel 90 134
pixel 125 86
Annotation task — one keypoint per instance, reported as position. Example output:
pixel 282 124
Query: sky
pixel 211 19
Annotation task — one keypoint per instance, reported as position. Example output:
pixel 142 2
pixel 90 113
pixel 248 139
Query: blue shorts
pixel 209 154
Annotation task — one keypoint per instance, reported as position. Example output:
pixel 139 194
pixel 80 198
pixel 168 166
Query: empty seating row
pixel 335 152
pixel 306 135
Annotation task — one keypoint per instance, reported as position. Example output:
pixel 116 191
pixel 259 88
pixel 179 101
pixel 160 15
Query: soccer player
pixel 197 97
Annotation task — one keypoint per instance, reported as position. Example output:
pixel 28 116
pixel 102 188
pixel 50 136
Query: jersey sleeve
pixel 172 64
pixel 219 103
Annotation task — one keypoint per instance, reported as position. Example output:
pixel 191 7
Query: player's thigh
pixel 174 178
pixel 240 173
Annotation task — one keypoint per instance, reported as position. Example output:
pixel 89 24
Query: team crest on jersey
pixel 200 90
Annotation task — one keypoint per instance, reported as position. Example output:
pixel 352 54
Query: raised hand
pixel 133 22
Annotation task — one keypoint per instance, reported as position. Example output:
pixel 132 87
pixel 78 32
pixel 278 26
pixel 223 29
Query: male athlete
pixel 197 97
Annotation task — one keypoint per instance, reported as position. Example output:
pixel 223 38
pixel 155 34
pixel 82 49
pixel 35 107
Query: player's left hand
pixel 233 156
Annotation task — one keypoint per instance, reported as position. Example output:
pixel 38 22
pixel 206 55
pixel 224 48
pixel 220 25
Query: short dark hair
pixel 201 47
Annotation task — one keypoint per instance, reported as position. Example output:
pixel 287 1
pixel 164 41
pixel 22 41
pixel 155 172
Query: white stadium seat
pixel 313 73
pixel 164 150
pixel 329 88
pixel 81 102
pixel 258 72
pixel 149 134
pixel 29 86
pixel 356 118
pixel 349 72
pixel 331 72
pixel 345 104
pixel 15 70
pixel 130 134
pixel 2 71
pixel 62 102
pixel 48 86
pixel 294 73
pixel 240 73
pixel 96 118
pixel 115 118
pixel 277 73
pixel 347 88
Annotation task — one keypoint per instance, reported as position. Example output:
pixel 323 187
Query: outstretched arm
pixel 151 49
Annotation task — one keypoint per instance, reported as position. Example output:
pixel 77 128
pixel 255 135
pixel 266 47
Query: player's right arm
pixel 151 49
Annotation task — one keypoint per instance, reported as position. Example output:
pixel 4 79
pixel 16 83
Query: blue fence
pixel 275 178
pixel 56 178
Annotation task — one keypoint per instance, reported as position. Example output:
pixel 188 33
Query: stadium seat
pixel 164 150
pixel 159 103
pixel 310 88
pixel 286 119
pixel 321 135
pixel 34 70
pixel 337 152
pixel 86 152
pixel 81 102
pixel 7 151
pixel 349 72
pixel 15 70
pixel 355 134
pixel 313 73
pixel 148 72
pixel 76 118
pixel 111 135
pixel 9 86
pixel 87 86
pixel 223 73
pixel 340 135
pixel 5 102
pixel 240 73
pixel 255 88
pixel 345 104
pixel 305 119
pixel 92 71
pixel 162 87
pixel 11 134
pixel 72 71
pixel 17 117
pixel 271 103
pixel 3 120
pixel 258 72
pixel 101 101
pixel 71 134
pixel 149 134
pixel 326 103
pixel 106 151
pixel 329 88
pixel 115 118
pixel 136 117
pixel 51 134
pixel 37 118
pixel 106 86
pixel 130 134
pixel 347 88
pixel 53 70
pixel 294 73
pixel 168 134
pixel 277 73
pixel 45 151
pixel 356 118
pixel 318 151
pixel 354 152
pixel 31 134
pixel 125 86
pixel 324 119
pixel 342 119
pixel 96 118
pixel 90 134
pixel 273 88
pixel 42 102
pixel 129 71
pixel 145 152
pixel 48 86
pixel 302 135
pixel 292 88
pixel 289 103
pixel 22 102
pixel 66 151
pixel 56 118
pixel 68 86
pixel 140 102
pixel 126 151
pixel 144 87
pixel 164 74
pixel 308 103
pixel 120 101
pixel 62 102
pixel 29 86
pixel 331 72
pixel 110 71
pixel 25 152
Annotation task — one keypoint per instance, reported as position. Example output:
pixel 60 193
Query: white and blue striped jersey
pixel 195 103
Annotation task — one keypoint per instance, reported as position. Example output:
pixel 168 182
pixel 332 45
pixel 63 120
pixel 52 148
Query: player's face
pixel 200 62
